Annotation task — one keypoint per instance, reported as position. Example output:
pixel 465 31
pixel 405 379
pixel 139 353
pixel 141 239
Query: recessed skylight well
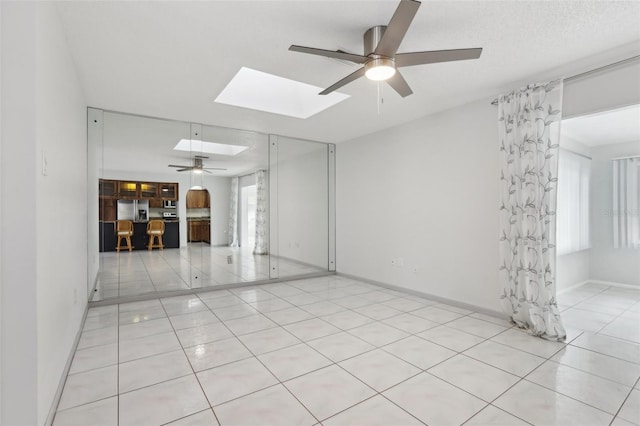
pixel 194 145
pixel 261 91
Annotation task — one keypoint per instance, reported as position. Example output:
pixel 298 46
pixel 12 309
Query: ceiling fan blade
pixel 175 165
pixel 434 56
pixel 213 168
pixel 337 54
pixel 400 85
pixel 200 156
pixel 348 79
pixel 185 169
pixel 206 171
pixel 397 28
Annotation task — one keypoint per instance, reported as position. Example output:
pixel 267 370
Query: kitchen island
pixel 140 239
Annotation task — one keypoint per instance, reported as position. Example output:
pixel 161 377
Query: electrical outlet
pixel 393 262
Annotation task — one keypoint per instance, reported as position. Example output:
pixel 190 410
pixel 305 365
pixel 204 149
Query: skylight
pixel 194 145
pixel 269 93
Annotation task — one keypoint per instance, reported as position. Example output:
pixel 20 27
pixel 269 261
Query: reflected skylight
pixel 194 145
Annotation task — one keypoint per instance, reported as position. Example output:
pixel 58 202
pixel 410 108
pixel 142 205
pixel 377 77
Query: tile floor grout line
pixel 370 289
pixel 193 371
pixel 267 368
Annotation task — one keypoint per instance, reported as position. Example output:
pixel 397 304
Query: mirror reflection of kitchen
pixel 165 199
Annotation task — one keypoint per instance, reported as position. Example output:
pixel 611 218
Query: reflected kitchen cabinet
pixel 148 190
pixel 199 230
pixel 108 188
pixel 198 199
pixel 107 209
pixel 206 231
pixel 156 203
pixel 168 191
pixel 128 190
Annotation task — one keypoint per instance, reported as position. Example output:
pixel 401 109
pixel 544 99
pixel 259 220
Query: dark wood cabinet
pixel 206 231
pixel 156 203
pixel 199 230
pixel 107 188
pixel 198 199
pixel 168 191
pixel 128 190
pixel 132 190
pixel 107 209
pixel 148 190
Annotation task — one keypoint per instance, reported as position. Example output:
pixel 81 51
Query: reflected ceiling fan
pixel 197 167
pixel 380 59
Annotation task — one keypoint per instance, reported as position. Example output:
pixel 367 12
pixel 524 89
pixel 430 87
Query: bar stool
pixel 155 231
pixel 124 230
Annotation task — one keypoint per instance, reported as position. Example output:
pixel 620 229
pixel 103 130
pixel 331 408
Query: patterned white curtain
pixel 529 130
pixel 626 203
pixel 233 214
pixel 261 245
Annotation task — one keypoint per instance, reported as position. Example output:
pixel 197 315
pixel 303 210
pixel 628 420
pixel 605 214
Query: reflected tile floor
pixel 336 351
pixel 198 266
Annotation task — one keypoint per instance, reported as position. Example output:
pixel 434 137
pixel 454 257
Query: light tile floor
pixel 198 266
pixel 335 351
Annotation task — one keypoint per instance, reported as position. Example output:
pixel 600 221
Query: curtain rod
pixel 583 74
pixel 625 158
pixel 576 153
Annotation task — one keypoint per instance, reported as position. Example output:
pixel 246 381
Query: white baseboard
pixel 609 283
pixel 614 284
pixel 573 287
pixel 65 372
pixel 470 307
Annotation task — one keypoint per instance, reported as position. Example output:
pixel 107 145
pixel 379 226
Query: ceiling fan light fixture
pixel 197 171
pixel 380 69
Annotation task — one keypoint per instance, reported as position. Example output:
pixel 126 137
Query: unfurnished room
pixel 318 212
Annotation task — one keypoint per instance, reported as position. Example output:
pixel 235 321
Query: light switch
pixel 44 162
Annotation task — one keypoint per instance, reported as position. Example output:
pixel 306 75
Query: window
pixel 572 226
pixel 626 202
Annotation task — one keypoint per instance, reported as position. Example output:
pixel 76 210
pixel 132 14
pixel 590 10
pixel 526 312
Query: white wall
pixel 573 268
pixel 44 265
pixel 219 192
pixel 61 204
pixel 426 192
pixel 0 211
pixel 609 264
pixel 18 259
pixel 303 219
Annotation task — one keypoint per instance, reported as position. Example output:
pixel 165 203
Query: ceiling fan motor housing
pixel 372 37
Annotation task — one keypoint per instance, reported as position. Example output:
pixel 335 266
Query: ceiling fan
pixel 380 59
pixel 197 167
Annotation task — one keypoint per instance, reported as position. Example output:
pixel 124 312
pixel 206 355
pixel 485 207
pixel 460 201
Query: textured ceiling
pixel 171 59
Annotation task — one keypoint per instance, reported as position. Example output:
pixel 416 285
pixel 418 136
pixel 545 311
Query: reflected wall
pixel 302 178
